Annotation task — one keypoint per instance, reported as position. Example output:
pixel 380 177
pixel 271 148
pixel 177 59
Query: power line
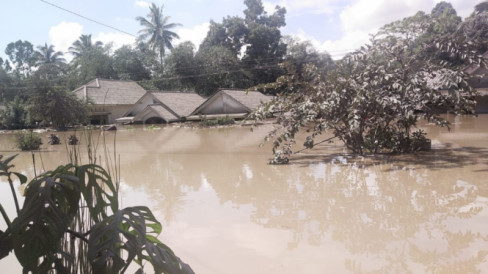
pixel 86 18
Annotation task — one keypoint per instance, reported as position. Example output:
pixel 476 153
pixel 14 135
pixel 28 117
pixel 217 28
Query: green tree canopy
pixel 53 105
pixel 254 40
pixel 128 64
pixel 83 45
pixel 91 60
pixel 47 55
pixel 21 54
pixel 219 68
pixel 181 67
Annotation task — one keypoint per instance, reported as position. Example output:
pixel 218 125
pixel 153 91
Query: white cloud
pixel 142 4
pixel 361 18
pixel 298 6
pixel 64 34
pixel 196 34
pixel 369 16
pixel 269 7
pixel 336 48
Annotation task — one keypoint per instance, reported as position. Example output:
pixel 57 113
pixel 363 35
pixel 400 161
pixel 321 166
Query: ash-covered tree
pixel 299 54
pixel 374 97
pixel 475 28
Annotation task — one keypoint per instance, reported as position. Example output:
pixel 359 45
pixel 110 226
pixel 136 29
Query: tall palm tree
pixel 82 45
pixel 156 30
pixel 47 55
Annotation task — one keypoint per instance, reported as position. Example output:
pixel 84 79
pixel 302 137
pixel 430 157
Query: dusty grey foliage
pixel 374 97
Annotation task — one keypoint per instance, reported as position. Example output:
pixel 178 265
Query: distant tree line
pixel 238 52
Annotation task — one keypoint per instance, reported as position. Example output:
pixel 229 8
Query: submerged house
pixel 162 107
pixel 109 99
pixel 234 103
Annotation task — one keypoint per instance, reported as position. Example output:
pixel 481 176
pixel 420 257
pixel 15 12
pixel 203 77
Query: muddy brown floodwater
pixel 224 210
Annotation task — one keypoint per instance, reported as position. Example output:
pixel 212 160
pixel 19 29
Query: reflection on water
pixel 225 210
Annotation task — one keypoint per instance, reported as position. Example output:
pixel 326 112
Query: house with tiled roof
pixel 163 107
pixel 235 103
pixel 109 99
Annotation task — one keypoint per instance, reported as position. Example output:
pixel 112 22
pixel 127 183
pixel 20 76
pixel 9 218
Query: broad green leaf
pixel 98 190
pixel 51 201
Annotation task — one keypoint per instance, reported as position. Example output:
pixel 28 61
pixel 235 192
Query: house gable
pixel 170 106
pixel 231 102
pixel 156 111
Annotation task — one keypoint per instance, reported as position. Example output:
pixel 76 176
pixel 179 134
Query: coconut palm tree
pixel 47 55
pixel 157 30
pixel 82 45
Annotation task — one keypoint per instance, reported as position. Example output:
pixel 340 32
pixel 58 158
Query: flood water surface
pixel 224 210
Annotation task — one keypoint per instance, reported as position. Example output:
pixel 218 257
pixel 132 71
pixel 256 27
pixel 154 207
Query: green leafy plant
pixel 28 140
pixel 117 238
pixel 221 121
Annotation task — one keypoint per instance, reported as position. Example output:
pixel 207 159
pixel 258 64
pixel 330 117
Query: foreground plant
pixel 118 238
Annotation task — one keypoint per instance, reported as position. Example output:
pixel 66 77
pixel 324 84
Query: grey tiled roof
pixel 181 103
pixel 160 111
pixel 110 92
pixel 250 99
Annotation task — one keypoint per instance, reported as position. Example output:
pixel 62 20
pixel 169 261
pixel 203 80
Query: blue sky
pixel 335 26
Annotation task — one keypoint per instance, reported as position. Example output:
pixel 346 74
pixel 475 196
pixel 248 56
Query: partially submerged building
pixel 120 101
pixel 163 107
pixel 232 103
pixel 109 99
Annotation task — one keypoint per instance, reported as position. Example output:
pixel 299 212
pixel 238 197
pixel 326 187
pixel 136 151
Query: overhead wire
pixel 266 63
pixel 87 18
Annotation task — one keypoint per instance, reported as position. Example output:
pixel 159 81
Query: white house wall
pixel 223 104
pixel 114 111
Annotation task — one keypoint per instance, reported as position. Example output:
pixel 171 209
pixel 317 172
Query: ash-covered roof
pixel 250 99
pixel 181 103
pixel 110 92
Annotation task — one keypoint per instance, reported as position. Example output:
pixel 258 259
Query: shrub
pixel 53 139
pixel 73 140
pixel 28 140
pixel 225 121
pixel 221 121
